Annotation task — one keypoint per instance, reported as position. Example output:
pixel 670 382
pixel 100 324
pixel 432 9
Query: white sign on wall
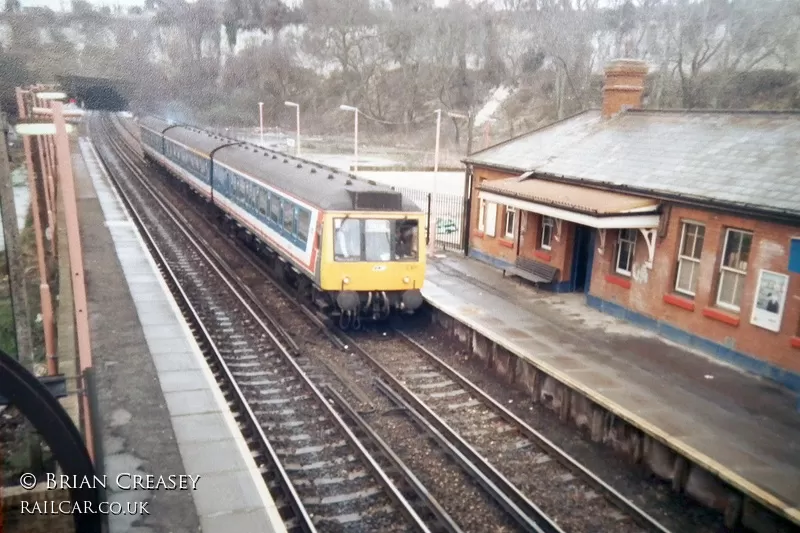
pixel 770 300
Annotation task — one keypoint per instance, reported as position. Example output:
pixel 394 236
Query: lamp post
pixel 436 152
pixel 297 140
pixel 261 120
pixel 355 136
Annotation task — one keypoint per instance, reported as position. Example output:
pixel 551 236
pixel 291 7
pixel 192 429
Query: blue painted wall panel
pixel 794 256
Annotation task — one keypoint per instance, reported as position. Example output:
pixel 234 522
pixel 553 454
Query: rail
pixel 229 280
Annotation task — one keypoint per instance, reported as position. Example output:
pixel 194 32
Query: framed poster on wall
pixel 770 299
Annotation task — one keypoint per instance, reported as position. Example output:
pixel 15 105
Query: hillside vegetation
pixel 211 62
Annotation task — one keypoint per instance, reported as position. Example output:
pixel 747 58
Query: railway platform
pixel 690 419
pixel 160 409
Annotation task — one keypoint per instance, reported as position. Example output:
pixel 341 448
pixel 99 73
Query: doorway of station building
pixel 583 258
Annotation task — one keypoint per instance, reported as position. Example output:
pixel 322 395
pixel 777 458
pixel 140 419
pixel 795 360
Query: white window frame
pixel 491 219
pixel 632 253
pixel 551 223
pixel 482 215
pixel 724 270
pixel 683 259
pixel 513 212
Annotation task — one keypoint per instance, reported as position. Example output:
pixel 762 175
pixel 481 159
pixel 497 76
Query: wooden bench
pixel 532 270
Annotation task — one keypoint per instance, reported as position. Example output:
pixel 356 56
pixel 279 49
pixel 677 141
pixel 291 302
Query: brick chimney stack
pixel 624 85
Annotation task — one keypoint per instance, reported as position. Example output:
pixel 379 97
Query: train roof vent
pixel 376 200
pixel 274 156
pixel 285 160
pixel 313 170
pixel 349 182
pixel 299 165
pixel 330 176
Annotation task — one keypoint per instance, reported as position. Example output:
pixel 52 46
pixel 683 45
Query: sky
pixel 56 5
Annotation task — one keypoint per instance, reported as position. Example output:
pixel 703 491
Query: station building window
pixel 691 248
pixel 733 268
pixel 626 246
pixel 510 222
pixel 547 232
pixel 482 216
pixel 491 219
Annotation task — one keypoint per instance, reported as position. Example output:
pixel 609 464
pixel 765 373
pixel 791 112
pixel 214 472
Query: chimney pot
pixel 624 85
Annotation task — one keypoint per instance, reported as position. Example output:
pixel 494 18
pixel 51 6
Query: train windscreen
pixel 375 240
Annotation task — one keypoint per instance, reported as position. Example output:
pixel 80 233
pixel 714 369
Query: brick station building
pixel 686 222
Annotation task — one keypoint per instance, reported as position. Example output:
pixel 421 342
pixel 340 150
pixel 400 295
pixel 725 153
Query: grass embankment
pixel 18 451
pixel 27 248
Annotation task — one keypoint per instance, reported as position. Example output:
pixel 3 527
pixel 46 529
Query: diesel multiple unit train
pixel 355 248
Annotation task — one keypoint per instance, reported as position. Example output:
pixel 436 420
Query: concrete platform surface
pixel 161 410
pixel 740 427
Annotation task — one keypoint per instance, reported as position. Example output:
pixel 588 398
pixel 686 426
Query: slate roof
pixel 744 159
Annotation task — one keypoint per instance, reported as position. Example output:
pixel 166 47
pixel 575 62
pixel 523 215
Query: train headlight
pixel 345 280
pixel 406 280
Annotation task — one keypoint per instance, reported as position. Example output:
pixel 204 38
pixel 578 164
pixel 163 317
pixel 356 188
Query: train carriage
pixel 353 246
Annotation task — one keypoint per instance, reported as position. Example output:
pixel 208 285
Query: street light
pixel 297 141
pixel 355 136
pixel 51 95
pixel 261 121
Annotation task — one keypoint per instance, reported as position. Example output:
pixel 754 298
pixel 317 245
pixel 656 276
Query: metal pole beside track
pixel 355 163
pixel 436 152
pixel 67 183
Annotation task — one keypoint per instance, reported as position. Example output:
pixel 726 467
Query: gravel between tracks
pixel 674 511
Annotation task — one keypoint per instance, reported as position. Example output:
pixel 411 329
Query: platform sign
pixel 770 299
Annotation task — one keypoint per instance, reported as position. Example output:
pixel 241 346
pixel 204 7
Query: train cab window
pixel 288 216
pixel 347 239
pixel 377 240
pixel 406 243
pixel 303 221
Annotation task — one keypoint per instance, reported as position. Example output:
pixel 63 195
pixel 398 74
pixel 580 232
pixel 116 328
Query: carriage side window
pixel 303 222
pixel 288 216
pixel 263 200
pixel 346 239
pixel 274 208
pixel 406 244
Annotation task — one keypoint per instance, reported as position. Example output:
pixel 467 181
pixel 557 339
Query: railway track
pixel 471 504
pixel 508 448
pixel 321 474
pixel 508 459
